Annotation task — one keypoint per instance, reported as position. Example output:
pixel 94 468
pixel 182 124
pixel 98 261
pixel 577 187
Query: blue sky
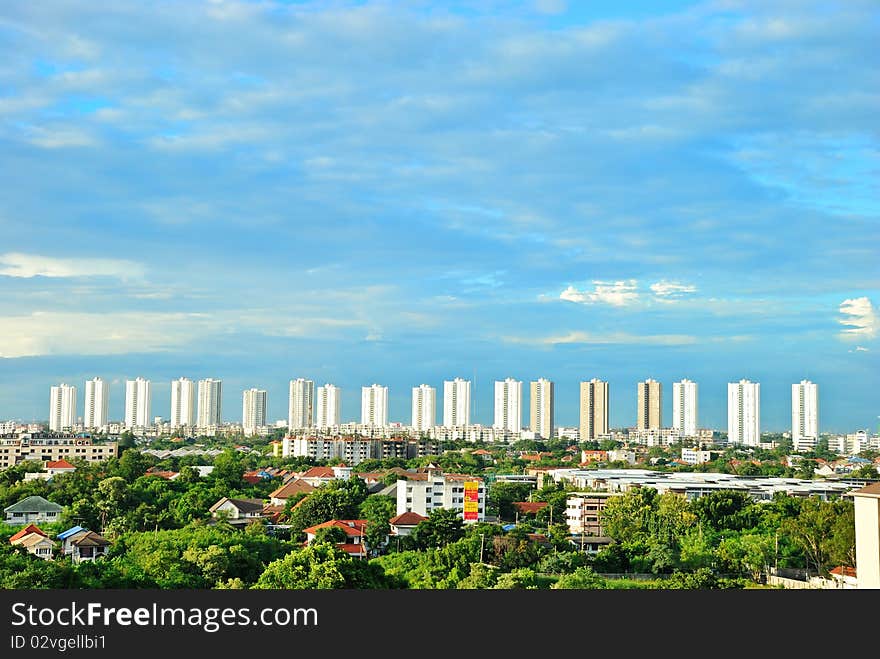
pixel 407 192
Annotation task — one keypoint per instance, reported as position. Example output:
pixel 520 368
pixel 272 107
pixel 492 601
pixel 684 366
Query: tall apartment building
pixel 301 404
pixel 508 397
pixel 210 410
pixel 182 403
pixel 804 411
pixel 650 405
pixel 541 405
pixel 684 407
pixel 138 394
pixel 744 413
pixel 97 403
pixel 424 407
pixel 456 403
pixel 593 410
pixel 62 407
pixel 253 410
pixel 328 406
pixel 374 405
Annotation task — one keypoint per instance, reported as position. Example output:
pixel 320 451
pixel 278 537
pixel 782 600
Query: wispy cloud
pixel 669 291
pixel 617 293
pixel 15 264
pixel 603 339
pixel 861 320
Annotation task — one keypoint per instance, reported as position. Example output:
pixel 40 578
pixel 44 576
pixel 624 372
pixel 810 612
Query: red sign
pixel 471 500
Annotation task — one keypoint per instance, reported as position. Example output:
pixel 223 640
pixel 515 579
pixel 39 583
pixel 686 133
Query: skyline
pixel 406 402
pixel 405 193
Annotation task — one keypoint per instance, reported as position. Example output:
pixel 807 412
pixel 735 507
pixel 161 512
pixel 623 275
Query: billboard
pixel 471 501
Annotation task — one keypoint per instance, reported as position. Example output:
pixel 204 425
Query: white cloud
pixel 667 291
pixel 858 349
pixel 55 333
pixel 862 318
pixel 117 333
pixel 15 264
pixel 60 138
pixel 618 293
pixel 599 339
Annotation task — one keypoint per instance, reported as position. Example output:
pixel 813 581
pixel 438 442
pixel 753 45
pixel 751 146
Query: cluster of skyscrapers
pixel 321 407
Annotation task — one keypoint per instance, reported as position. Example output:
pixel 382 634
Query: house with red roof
pixel 35 541
pixel 529 507
pixel 405 523
pixel 354 530
pixel 290 489
pixel 59 467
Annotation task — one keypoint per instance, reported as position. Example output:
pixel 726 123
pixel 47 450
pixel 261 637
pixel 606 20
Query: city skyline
pixel 574 190
pixel 593 395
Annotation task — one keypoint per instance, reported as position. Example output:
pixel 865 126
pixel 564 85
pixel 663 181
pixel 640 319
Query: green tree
pixel 583 578
pixel 442 527
pixel 812 529
pixel 228 469
pixel 377 510
pixel 321 566
pixel 331 534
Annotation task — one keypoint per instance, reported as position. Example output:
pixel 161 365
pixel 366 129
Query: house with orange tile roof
pixel 35 541
pixel 355 532
pixel 290 489
pixel 405 523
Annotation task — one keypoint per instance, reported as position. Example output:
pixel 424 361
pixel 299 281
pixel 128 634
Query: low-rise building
pixel 405 523
pixel 32 509
pixel 80 544
pixel 583 512
pixel 52 447
pixel 424 492
pixel 237 510
pixel 355 535
pixel 694 456
pixel 35 541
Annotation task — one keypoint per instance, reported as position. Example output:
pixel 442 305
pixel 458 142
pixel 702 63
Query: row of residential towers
pixel 322 408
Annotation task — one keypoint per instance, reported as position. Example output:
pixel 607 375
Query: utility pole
pixel 482 538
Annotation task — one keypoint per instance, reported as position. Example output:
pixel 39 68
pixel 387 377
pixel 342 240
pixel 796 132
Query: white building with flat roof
pixel 182 403
pixel 210 410
pixel 62 407
pixel 508 401
pixel 456 403
pixel 684 407
pixel 744 413
pixel 374 405
pixel 804 411
pixel 328 406
pixel 97 401
pixel 253 410
pixel 301 404
pixel 138 401
pixel 424 407
pixel 422 493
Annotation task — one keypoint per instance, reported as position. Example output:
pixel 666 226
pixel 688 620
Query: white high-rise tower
pixel 182 403
pixel 62 407
pixel 804 411
pixel 508 397
pixel 541 406
pixel 301 404
pixel 328 406
pixel 424 407
pixel 210 411
pixel 374 405
pixel 253 410
pixel 744 413
pixel 137 403
pixel 456 403
pixel 96 404
pixel 684 408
